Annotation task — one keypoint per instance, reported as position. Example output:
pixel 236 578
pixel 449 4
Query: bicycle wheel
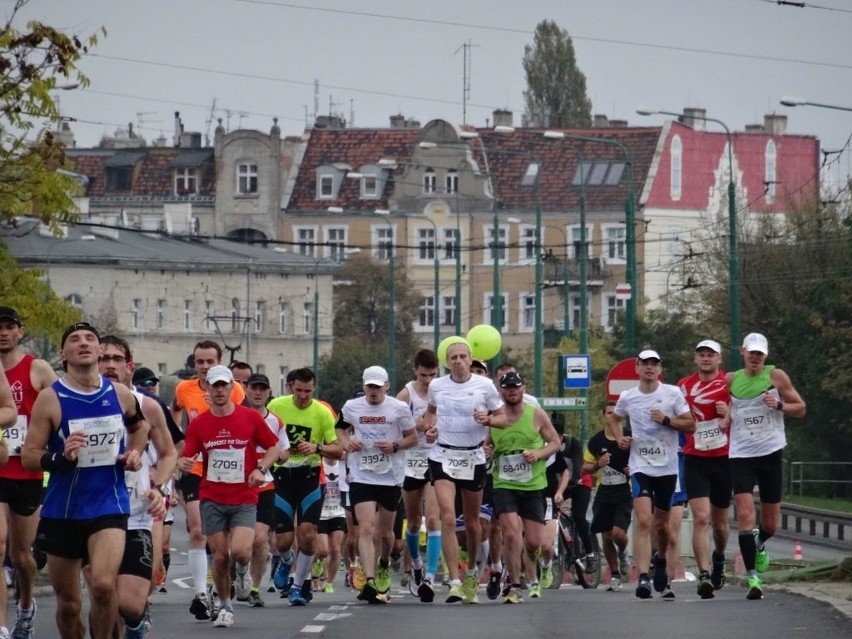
pixel 590 578
pixel 558 564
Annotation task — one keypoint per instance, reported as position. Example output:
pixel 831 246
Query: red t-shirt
pixel 20 382
pixel 708 440
pixel 228 445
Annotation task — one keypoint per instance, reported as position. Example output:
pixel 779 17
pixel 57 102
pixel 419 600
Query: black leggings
pixel 580 497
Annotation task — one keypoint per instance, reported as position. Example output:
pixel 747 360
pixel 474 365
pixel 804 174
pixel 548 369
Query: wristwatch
pixel 163 489
pixel 262 469
pixel 396 447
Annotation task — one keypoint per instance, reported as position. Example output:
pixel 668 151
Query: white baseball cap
pixel 756 342
pixel 219 373
pixel 649 354
pixel 375 376
pixel 709 343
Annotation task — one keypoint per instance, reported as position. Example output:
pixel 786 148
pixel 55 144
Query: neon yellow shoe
pixel 383 578
pixel 755 589
pixel 547 577
pixel 469 589
pixel 318 569
pixel 456 593
pixel 359 579
pixel 535 590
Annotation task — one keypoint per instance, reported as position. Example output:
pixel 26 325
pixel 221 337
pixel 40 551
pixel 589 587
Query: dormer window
pixel 369 186
pixel 186 181
pixel 119 170
pixel 188 167
pixel 329 178
pixel 325 187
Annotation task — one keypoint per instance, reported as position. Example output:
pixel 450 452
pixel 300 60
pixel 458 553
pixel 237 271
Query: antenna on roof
pixel 465 76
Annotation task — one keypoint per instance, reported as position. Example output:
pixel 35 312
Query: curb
pixel 837 594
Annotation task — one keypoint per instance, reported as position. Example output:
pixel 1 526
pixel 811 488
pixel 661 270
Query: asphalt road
pixel 569 612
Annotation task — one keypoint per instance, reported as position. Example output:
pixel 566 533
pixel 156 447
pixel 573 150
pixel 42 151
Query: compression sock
pixel 197 560
pixel 433 551
pixel 412 542
pixel 748 548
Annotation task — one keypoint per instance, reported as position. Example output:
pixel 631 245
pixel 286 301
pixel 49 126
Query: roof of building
pixel 31 243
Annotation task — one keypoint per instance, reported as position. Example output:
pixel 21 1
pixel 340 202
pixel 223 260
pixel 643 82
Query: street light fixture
pixel 791 101
pixel 733 267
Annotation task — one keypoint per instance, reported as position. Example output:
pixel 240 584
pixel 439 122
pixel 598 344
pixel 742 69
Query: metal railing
pixel 836 474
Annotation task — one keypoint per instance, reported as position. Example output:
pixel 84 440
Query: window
pixel 335 242
pixel 769 178
pixel 325 187
pixel 74 300
pixel 426 316
pixel 246 179
pixel 308 318
pixel 530 175
pixel 162 368
pixel 498 247
pixel 209 311
pixel 527 313
pixel 576 242
pixel 186 181
pixel 676 168
pixel 384 242
pixel 306 240
pixel 369 187
pixel 187 315
pixel 613 305
pixel 426 244
pixel 259 316
pixel 575 311
pixel 235 315
pixel 581 175
pixel 598 173
pixel 119 178
pixel 285 318
pixel 282 380
pixel 490 310
pixel 430 181
pixel 136 314
pixel 528 243
pixel 161 313
pixel 615 242
pixel 448 316
pixel 450 243
pixel 616 170
pixel 451 181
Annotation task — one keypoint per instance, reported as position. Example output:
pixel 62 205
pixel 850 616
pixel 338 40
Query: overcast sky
pixel 373 58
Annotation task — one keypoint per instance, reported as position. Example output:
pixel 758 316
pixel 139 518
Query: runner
pixel 20 489
pixel 372 430
pixel 227 437
pixel 77 432
pixel 331 529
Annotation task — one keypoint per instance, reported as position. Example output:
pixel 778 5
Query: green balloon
pixel 485 341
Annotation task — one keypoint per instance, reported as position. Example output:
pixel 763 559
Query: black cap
pixel 145 377
pixel 7 312
pixel 479 364
pixel 511 380
pixel 79 326
pixel 258 378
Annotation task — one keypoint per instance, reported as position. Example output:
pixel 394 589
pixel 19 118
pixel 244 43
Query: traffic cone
pixel 797 551
pixel 739 566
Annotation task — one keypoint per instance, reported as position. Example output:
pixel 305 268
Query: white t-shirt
pixel 653 450
pixel 455 403
pixel 416 459
pixel 373 423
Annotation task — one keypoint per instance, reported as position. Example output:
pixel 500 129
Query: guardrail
pixel 822 526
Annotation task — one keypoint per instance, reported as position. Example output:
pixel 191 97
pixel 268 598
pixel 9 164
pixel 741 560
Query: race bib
pixel 227 465
pixel 611 477
pixel 331 507
pixel 514 468
pixel 14 436
pixel 652 451
pixel 708 435
pixel 135 487
pixel 103 440
pixel 374 460
pixel 459 464
pixel 754 418
pixel 416 462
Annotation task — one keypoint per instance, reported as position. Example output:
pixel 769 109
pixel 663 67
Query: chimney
pixel 775 123
pixel 178 129
pixel 397 121
pixel 692 118
pixel 754 128
pixel 502 117
pixel 618 124
pixel 190 140
pixel 600 121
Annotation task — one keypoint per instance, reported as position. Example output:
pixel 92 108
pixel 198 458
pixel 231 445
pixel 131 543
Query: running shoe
pixel 417 574
pixel 254 600
pixel 358 578
pixel 546 578
pixel 405 580
pixel 215 609
pixel 383 578
pixel 371 594
pixel 425 591
pixel 199 607
pixel 535 590
pixel 668 593
pixel 761 560
pixel 755 589
pixel 643 588
pixel 318 569
pixel 307 590
pixel 139 632
pixel 295 597
pixel 24 625
pixel 225 619
pixel 456 593
pixel 591 563
pixel 623 562
pixel 328 589
pixel 512 595
pixel 660 577
pixel 705 586
pixel 281 574
pixel 717 575
pixel 469 588
pixel 396 562
pixel 492 588
pixel 242 586
pixel 614 584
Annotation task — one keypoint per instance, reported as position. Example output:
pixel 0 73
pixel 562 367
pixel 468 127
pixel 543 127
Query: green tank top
pixel 510 469
pixel 745 387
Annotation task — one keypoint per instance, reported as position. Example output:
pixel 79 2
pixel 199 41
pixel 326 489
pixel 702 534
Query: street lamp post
pixel 791 101
pixel 733 267
pixel 392 310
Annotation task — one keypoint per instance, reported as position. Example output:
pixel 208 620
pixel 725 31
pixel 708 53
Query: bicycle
pixel 571 555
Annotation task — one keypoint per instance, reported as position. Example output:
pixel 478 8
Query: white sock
pixel 197 560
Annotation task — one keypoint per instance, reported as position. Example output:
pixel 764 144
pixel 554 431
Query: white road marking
pixel 313 629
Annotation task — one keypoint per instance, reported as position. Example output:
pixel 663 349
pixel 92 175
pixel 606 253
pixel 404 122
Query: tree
pixel 556 88
pixel 33 62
